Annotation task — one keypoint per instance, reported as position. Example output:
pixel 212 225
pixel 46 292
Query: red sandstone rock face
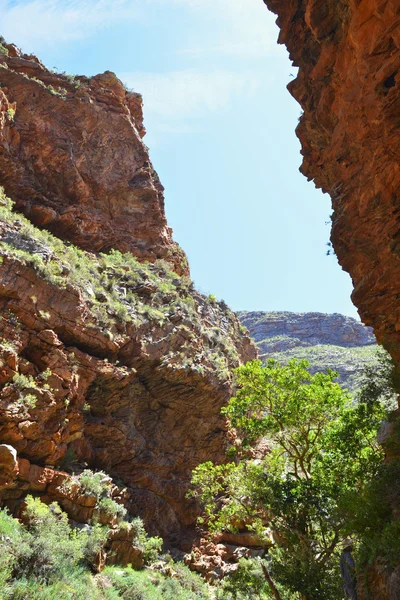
pixel 348 54
pixel 139 398
pixel 72 158
pixel 107 361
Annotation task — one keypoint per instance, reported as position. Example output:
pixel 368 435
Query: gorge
pixel 110 359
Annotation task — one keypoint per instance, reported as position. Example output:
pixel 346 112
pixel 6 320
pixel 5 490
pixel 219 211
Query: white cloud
pixel 245 28
pixel 182 95
pixel 35 23
pixel 240 28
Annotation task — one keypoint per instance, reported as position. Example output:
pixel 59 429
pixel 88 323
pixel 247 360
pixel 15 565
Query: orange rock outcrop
pixel 348 85
pixel 73 160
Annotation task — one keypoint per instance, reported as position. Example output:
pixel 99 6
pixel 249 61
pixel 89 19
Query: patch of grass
pixel 152 585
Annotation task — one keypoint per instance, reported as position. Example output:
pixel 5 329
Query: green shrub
pixel 77 585
pixel 151 546
pixel 23 382
pixel 94 484
pixel 247 582
pixel 151 585
pixel 54 548
pixel 48 559
pixel 111 508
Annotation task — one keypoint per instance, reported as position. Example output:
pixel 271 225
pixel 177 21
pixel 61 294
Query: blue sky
pixel 220 126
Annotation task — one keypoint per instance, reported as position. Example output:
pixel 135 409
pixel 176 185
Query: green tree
pixel 318 452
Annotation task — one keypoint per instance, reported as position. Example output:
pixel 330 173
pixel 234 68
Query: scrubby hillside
pixel 327 341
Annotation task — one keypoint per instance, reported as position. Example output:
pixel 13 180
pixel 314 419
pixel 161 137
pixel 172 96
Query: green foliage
pixel 247 582
pixel 49 559
pixel 151 546
pixel 46 559
pixel 94 483
pixel 23 382
pixel 146 585
pixel 11 113
pixel 321 454
pixel 379 381
pixel 54 548
pixel 3 50
pixel 111 508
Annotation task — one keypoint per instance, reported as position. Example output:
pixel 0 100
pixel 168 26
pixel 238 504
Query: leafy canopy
pixel 303 453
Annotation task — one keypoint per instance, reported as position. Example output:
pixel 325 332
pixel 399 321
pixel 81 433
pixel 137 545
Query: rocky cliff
pixel 348 54
pixel 327 341
pixel 109 356
pixel 73 160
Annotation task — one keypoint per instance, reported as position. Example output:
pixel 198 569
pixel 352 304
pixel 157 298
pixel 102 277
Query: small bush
pixel 94 484
pixel 54 548
pixel 151 546
pixel 111 508
pixel 151 585
pixel 247 582
pixel 22 382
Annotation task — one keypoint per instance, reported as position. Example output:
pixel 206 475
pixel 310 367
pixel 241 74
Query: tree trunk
pixel 271 584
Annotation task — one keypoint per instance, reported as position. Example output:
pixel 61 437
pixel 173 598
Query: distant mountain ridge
pixel 332 341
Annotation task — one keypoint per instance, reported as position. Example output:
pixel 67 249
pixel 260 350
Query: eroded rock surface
pixel 348 84
pixel 128 375
pixel 73 160
pixel 111 359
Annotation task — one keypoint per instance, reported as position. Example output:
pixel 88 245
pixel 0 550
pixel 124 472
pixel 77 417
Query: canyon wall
pixel 348 85
pixel 109 357
pixel 73 160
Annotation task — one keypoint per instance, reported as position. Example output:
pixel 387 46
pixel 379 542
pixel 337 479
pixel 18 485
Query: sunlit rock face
pixel 348 54
pixel 107 359
pixel 73 160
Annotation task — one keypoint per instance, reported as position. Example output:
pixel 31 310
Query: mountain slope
pixel 327 341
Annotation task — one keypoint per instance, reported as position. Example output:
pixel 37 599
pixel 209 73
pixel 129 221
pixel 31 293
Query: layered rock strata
pixel 108 359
